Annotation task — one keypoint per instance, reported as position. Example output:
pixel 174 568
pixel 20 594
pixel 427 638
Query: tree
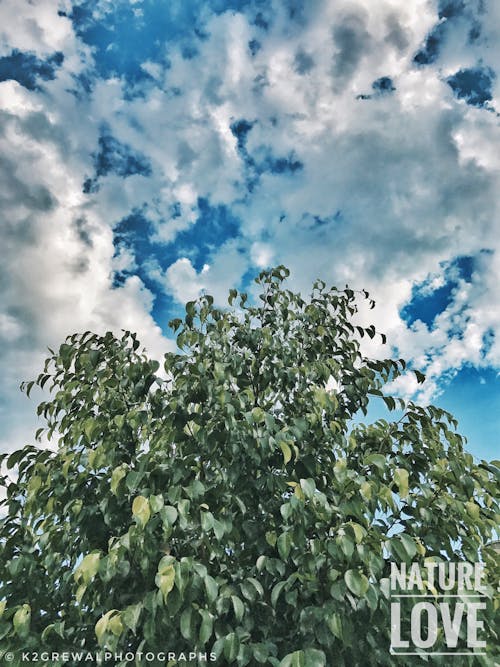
pixel 232 504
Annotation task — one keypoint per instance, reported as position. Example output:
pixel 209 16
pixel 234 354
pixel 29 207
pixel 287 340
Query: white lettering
pixel 415 578
pixel 464 577
pixel 478 575
pixel 452 627
pixel 416 625
pixel 446 584
pixel 473 625
pixel 398 576
pixel 396 641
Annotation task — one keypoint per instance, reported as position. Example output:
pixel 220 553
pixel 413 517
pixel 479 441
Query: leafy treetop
pixel 233 503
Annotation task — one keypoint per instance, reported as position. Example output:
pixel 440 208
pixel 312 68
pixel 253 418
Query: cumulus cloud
pixel 57 251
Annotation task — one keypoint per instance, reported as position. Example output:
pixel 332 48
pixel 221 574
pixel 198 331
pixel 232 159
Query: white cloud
pixel 33 27
pixel 183 281
pixel 262 255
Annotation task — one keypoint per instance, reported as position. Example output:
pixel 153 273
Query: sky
pixel 152 150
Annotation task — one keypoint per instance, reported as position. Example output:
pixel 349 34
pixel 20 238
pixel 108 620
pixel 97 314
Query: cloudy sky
pixel 153 149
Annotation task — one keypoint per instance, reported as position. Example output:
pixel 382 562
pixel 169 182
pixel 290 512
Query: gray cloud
pixel 15 189
pixel 352 42
pixel 396 35
pixel 303 62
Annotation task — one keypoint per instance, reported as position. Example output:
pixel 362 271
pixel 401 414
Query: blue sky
pixel 152 150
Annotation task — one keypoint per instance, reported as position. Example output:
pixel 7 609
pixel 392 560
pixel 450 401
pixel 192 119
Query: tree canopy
pixel 232 501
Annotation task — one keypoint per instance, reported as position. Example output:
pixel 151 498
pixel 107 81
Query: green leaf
pixel 359 531
pixel 88 568
pixel 271 538
pixel 231 646
pixel 186 624
pixel 398 549
pixel 284 544
pixel 115 625
pixel 183 506
pixel 218 529
pixel 261 563
pixel 295 659
pixel 401 479
pixel 207 521
pixel 390 402
pixel 33 487
pixel 156 503
pixel 257 585
pixel 119 421
pixel 286 510
pixel 340 470
pixel 308 486
pixel 130 616
pixel 14 458
pixel 238 606
pixel 420 377
pixel 260 652
pixel 206 627
pixel 90 427
pixel 356 582
pixel 21 620
pixel 211 588
pixel 80 592
pixel 168 515
pixel 46 632
pixel 276 592
pixel 102 625
pixel 334 622
pixel 175 323
pixel 133 480
pixel 248 591
pixel 408 544
pixel 165 580
pixel 347 545
pixel 377 460
pixel 287 452
pixel 165 563
pixel 118 474
pixel 366 490
pixel 314 658
pixel 473 510
pixel 140 510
